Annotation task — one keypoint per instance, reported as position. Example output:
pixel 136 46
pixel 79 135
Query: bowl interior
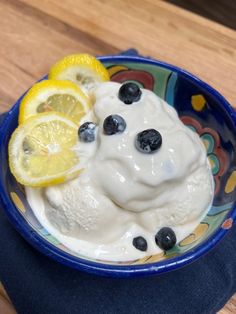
pixel 200 108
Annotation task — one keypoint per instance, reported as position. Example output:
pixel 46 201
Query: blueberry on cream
pixel 129 93
pixel 165 238
pixel 87 132
pixel 113 124
pixel 140 243
pixel 148 141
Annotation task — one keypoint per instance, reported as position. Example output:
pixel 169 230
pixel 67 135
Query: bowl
pixel 202 109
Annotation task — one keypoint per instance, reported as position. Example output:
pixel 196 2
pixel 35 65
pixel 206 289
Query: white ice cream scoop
pixel 145 170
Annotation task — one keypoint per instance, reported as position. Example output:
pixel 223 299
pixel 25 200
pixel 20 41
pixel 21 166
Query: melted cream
pixel 123 193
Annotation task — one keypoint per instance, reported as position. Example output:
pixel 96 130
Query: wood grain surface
pixel 221 11
pixel 36 33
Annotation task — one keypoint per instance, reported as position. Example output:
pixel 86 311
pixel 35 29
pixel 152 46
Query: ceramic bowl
pixel 202 109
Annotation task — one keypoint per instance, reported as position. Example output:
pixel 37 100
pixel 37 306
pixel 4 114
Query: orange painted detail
pixel 227 224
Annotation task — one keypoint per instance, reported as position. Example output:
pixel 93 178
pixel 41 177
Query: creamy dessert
pixel 133 183
pixel 138 180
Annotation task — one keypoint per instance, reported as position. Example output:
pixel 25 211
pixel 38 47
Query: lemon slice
pixel 82 69
pixel 42 150
pixel 51 95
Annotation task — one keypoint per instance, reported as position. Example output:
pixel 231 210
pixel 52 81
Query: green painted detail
pixel 215 165
pixel 52 239
pixel 210 140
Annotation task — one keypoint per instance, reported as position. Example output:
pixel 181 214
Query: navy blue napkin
pixel 38 285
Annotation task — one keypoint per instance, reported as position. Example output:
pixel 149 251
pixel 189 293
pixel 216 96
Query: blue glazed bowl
pixel 201 108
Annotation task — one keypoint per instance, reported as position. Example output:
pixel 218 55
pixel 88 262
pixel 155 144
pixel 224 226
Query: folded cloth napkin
pixel 38 285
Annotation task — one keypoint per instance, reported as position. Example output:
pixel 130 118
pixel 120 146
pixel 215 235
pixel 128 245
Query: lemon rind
pixel 49 87
pixel 82 60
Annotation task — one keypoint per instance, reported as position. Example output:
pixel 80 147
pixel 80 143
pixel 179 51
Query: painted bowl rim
pixel 99 268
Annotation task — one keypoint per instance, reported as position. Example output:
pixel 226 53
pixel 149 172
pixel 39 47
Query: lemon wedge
pixel 42 150
pixel 82 69
pixel 51 95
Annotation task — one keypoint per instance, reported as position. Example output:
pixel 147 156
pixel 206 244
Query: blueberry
pixel 129 92
pixel 140 243
pixel 114 124
pixel 148 141
pixel 87 132
pixel 165 238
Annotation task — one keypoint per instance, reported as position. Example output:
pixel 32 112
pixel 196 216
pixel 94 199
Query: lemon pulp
pixel 42 150
pixel 82 69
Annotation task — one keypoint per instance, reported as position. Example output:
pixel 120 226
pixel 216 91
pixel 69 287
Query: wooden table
pixel 36 33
